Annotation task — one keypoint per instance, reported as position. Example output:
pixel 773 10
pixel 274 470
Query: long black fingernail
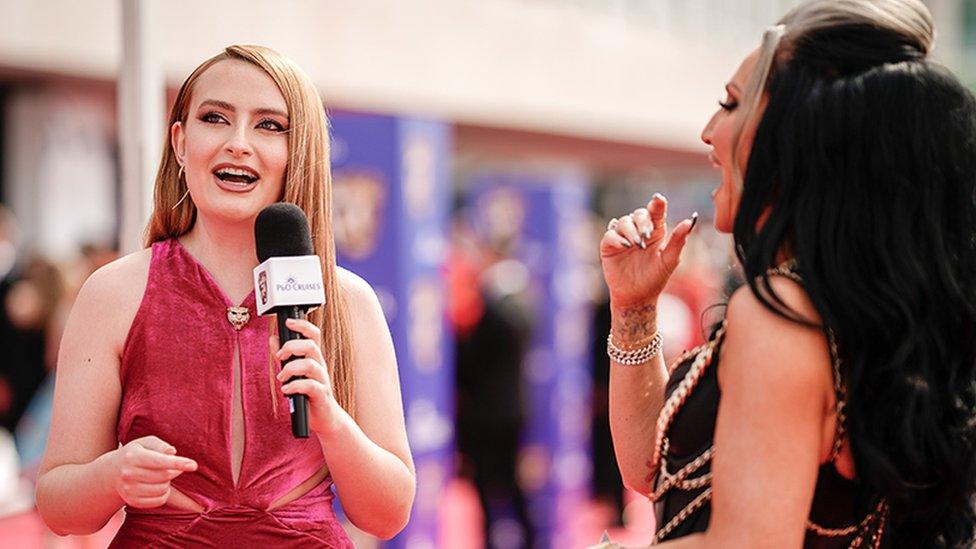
pixel 694 220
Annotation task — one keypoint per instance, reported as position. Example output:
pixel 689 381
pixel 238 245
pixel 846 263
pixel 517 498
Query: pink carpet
pixel 460 518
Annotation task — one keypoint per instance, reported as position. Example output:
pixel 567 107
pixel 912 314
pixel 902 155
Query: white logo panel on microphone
pixel 282 281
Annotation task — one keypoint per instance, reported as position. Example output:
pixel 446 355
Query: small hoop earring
pixel 187 193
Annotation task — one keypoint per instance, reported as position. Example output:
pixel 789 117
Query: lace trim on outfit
pixel 870 528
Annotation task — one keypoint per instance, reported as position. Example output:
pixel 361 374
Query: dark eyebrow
pixel 228 107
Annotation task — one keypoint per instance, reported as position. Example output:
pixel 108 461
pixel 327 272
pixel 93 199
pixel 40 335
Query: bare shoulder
pixel 359 292
pixel 761 347
pixel 121 280
pixel 370 331
pixel 788 290
pixel 88 388
pixel 111 296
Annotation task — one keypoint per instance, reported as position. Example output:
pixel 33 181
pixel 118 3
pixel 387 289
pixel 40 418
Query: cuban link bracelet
pixel 637 356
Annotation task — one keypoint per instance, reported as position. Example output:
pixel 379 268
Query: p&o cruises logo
pixel 292 285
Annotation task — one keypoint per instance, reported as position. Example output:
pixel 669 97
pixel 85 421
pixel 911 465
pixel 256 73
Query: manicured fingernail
pixel 647 233
pixel 694 220
pixel 642 245
pixel 627 244
pixel 658 196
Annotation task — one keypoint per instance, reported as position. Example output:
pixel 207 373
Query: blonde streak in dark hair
pixel 753 95
pixel 909 18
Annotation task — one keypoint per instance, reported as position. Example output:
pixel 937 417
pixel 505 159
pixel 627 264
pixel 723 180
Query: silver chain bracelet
pixel 636 356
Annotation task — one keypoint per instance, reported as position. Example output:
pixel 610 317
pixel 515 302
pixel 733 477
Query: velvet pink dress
pixel 177 383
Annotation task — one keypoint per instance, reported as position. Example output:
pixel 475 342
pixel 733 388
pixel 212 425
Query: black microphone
pixel 288 282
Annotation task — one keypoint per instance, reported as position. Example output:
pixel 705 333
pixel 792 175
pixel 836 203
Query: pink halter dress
pixel 177 384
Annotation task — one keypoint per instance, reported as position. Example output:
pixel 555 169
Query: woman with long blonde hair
pixel 169 397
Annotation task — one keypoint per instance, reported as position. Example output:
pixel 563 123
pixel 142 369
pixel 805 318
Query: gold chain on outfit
pixel 873 523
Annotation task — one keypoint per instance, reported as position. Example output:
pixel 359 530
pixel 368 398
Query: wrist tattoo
pixel 634 324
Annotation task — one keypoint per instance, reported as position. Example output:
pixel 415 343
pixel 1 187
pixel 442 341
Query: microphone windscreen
pixel 280 230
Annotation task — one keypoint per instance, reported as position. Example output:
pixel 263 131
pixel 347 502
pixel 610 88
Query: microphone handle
pixel 299 402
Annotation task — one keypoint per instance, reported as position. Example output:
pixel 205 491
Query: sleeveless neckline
pixel 177 379
pixel 210 279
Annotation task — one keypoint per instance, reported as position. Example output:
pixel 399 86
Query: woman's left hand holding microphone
pixel 323 410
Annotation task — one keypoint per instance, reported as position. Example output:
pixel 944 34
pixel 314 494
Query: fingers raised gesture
pixel 638 253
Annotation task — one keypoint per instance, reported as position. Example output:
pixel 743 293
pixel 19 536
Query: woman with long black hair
pixel 835 404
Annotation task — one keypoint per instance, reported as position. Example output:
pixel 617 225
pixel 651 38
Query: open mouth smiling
pixel 238 176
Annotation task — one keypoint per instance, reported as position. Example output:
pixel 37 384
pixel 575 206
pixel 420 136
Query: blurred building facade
pixel 621 83
pixel 611 83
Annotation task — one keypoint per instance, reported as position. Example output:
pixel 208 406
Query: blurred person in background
pixel 696 285
pixel 492 327
pixel 9 239
pixel 94 256
pixel 30 305
pixel 164 353
pixel 28 299
pixel 607 484
pixel 32 429
pixel 835 405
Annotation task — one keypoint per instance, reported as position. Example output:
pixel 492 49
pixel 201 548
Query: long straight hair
pixel 863 166
pixel 308 184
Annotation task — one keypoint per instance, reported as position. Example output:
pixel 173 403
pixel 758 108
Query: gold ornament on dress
pixel 668 412
pixel 238 317
pixel 680 479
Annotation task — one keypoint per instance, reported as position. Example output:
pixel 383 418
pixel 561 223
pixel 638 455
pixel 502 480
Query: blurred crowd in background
pixel 616 90
pixel 490 311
